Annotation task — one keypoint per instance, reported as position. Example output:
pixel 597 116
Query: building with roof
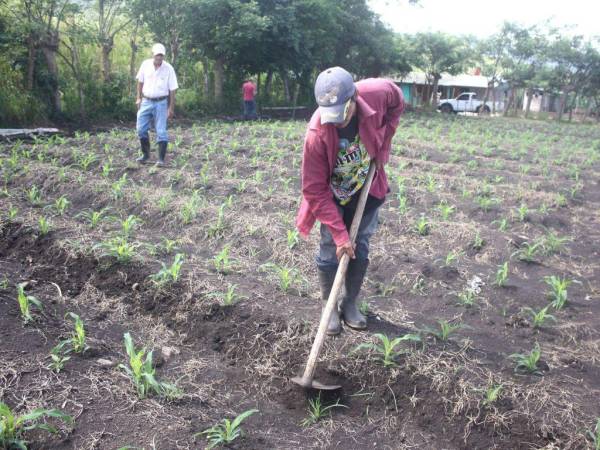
pixel 417 88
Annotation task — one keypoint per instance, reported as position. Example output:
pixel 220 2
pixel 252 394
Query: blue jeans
pixel 153 113
pixel 326 258
pixel 249 109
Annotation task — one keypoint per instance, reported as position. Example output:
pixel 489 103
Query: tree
pixel 521 58
pixel 111 21
pixel 226 32
pixel 437 53
pixel 574 62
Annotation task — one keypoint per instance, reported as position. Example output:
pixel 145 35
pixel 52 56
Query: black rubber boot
pixel 162 152
pixel 354 278
pixel 326 281
pixel 145 146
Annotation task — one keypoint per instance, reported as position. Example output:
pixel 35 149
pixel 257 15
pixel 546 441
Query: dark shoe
pixel 354 278
pixel 145 147
pixel 162 152
pixel 326 281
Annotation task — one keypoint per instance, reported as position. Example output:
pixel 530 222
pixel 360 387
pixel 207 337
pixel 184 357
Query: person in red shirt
pixel 248 92
pixel 353 126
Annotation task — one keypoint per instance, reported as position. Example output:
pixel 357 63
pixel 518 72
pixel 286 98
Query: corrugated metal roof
pixel 462 80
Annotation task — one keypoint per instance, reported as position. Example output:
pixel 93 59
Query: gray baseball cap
pixel 333 89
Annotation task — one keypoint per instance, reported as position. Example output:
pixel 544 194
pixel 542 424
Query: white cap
pixel 158 49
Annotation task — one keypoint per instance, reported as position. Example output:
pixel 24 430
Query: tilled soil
pixel 228 359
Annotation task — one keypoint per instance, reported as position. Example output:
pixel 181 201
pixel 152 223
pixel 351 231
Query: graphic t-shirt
pixel 352 164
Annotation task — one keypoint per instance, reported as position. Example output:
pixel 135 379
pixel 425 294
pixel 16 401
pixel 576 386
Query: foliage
pixel 227 431
pixel 13 426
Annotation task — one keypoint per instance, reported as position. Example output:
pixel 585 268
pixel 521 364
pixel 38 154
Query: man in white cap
pixel 354 125
pixel 156 86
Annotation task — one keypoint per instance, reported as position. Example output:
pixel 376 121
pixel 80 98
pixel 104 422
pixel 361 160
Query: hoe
pixel 306 380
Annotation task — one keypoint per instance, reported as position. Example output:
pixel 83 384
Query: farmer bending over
pixel 155 100
pixel 354 125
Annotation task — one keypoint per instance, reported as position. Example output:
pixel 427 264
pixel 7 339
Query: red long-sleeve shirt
pixel 379 106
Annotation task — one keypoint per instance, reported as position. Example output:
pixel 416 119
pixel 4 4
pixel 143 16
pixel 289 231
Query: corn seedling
pixel 558 292
pixel 86 160
pixel 164 203
pixel 467 298
pixel 13 427
pixel 117 187
pixel 554 244
pixel 502 224
pixel 501 275
pixel 169 245
pixel 287 276
pixel 451 258
pixel 107 168
pixel 386 348
pixel 44 226
pixel 94 217
pixel 34 195
pixel 169 274
pixel 422 226
pixel 227 431
pixel 141 372
pixel 228 298
pixel 478 242
pixel 78 340
pixel 189 210
pixel 527 362
pixel 222 262
pixel 492 394
pixel 61 204
pixel 445 330
pixel 317 411
pixel 218 229
pixel 292 238
pixel 58 356
pixel 445 210
pixel 119 248
pixel 539 318
pixel 25 304
pixel 129 224
pixel 13 211
pixel 528 251
pixel 594 435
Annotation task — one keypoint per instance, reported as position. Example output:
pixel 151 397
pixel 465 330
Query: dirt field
pixel 468 195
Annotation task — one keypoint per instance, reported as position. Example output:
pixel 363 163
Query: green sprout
pixel 227 431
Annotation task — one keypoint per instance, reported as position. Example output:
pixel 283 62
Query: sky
pixel 483 17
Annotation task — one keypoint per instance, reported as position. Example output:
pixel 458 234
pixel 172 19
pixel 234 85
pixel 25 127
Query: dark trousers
pixel 249 109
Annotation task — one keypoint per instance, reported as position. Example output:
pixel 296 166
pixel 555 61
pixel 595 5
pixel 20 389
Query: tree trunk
pixel 134 49
pixel 219 75
pixel 174 50
pixel 494 101
pixel 434 89
pixel 295 99
pixel 509 103
pixel 573 106
pixel 268 82
pixel 107 46
pixel 30 61
pixel 487 92
pixel 561 106
pixel 206 75
pixel 588 111
pixel 529 98
pixel 286 86
pixel 49 49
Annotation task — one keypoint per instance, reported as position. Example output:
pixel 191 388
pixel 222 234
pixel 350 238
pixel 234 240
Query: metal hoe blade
pixel 314 384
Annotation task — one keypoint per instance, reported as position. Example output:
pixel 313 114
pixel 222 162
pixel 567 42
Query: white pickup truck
pixel 466 102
